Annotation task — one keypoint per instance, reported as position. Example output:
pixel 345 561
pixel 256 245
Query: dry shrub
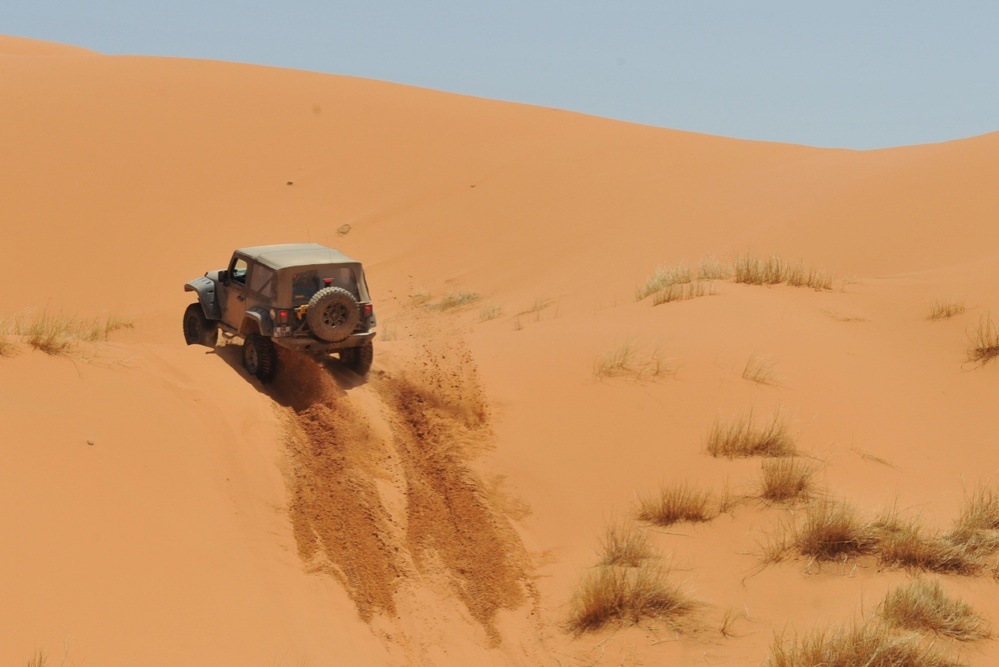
pixel 490 312
pixel 855 645
pixel 7 348
pixel 773 270
pixel 941 309
pixel 683 292
pixel 711 269
pixel 58 334
pixel 626 595
pixel 984 341
pixel 454 299
pixel 630 359
pixel 759 370
pixel 832 531
pixel 977 526
pixel 923 606
pixel 624 545
pixel 675 504
pixel 662 278
pixel 786 479
pixel 904 544
pixel 740 437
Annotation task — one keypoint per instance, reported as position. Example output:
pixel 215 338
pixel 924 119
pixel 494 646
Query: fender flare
pixel 205 288
pixel 256 319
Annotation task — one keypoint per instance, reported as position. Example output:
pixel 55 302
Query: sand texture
pixel 531 388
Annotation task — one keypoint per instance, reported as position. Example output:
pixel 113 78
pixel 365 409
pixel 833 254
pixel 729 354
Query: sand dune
pixel 445 511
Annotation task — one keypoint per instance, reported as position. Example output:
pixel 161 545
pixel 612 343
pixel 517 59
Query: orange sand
pixel 443 512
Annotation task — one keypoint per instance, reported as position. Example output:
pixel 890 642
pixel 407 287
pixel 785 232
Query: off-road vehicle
pixel 301 296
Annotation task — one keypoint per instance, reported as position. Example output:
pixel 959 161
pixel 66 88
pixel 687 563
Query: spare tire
pixel 333 314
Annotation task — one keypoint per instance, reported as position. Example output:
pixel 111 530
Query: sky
pixel 847 74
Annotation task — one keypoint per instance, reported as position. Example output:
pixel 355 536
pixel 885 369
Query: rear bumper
pixel 309 344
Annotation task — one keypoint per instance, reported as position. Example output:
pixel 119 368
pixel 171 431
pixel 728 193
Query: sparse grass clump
pixel 923 606
pixel 799 276
pixel 856 645
pixel 786 479
pixel 711 269
pixel 983 344
pixel 664 277
pixel 941 309
pixel 57 334
pixel 675 504
pixel 977 526
pixel 904 544
pixel 741 438
pixel 624 545
pixel 759 370
pixel 683 292
pixel 629 359
pixel 626 595
pixel 490 312
pixel 455 299
pixel 773 270
pixel 7 348
pixel 832 531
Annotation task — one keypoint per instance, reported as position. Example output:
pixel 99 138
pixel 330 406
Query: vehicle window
pixel 262 280
pixel 303 285
pixel 238 273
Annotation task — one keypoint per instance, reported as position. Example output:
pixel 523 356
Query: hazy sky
pixel 851 74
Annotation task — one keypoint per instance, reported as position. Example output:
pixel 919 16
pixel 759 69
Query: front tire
pixel 358 359
pixel 198 329
pixel 259 357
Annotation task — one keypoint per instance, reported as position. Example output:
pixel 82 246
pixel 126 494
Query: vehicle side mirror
pixel 224 276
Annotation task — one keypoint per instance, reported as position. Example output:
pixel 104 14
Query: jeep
pixel 301 296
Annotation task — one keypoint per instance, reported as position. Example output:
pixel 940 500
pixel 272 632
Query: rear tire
pixel 259 357
pixel 198 329
pixel 358 359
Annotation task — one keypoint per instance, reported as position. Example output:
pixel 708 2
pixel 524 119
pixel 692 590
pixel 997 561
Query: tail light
pixel 367 309
pixel 283 316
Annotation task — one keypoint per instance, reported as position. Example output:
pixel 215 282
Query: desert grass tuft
pixel 624 545
pixel 753 270
pixel 7 348
pixel 683 292
pixel 941 309
pixel 455 299
pixel 855 645
pixel 57 334
pixel 711 269
pixel 833 531
pixel 983 344
pixel 977 526
pixel 741 437
pixel 675 504
pixel 630 359
pixel 490 312
pixel 799 276
pixel 922 605
pixel 626 595
pixel 663 278
pixel 786 479
pixel 760 370
pixel 903 543
pixel 38 660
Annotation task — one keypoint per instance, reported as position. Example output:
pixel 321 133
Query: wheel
pixel 333 314
pixel 259 357
pixel 198 329
pixel 358 359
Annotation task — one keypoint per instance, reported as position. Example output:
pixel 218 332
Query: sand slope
pixel 214 521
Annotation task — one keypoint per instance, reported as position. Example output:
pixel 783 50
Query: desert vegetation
pixel 683 292
pixel 868 644
pixel 923 606
pixel 490 312
pixel 833 530
pixel 626 595
pixel 759 370
pixel 57 334
pixel 773 270
pixel 941 309
pixel 625 545
pixel 785 479
pixel 631 359
pixel 455 299
pixel 742 437
pixel 983 344
pixel 673 504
